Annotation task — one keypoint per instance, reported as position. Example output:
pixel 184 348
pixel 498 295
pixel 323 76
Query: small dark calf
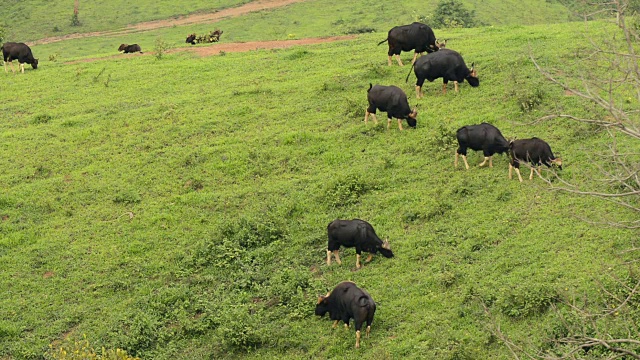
pixel 534 151
pixel 392 100
pixel 347 302
pixel 485 137
pixel 129 48
pixel 18 51
pixel 355 233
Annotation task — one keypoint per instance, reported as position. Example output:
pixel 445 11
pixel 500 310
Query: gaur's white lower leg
pixel 335 324
pixel 328 257
pixel 519 176
pixel 389 60
pixel 369 258
pixel 510 171
pixel 358 339
pixel 399 60
pixel 388 124
pixel 455 85
pixel 419 93
pixel 485 161
pixel 22 68
pixel 466 164
pixel 490 161
pixel 400 124
pixel 531 174
pixel 455 162
pixel 375 119
pixel 444 88
pixel 5 67
pixel 415 56
pixel 366 116
pixel 368 330
pixel 357 261
pixel 336 253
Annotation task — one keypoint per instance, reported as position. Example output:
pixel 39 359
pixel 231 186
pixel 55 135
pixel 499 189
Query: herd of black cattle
pixel 346 301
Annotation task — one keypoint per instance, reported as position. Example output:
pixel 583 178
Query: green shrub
pixel 297 54
pixel 526 299
pixel 127 197
pixel 452 14
pixel 442 138
pixel 160 48
pixel 42 119
pixel 528 99
pixel 252 233
pixel 347 191
pixel 239 328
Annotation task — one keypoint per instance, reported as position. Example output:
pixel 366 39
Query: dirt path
pixel 185 20
pixel 231 47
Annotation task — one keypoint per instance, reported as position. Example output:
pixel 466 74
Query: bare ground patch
pixel 217 48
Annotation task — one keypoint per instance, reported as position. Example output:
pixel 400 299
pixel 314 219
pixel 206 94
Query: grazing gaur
pixel 213 36
pixel 534 151
pixel 416 36
pixel 18 51
pixel 355 233
pixel 129 48
pixel 392 100
pixel 346 302
pixel 485 137
pixel 446 64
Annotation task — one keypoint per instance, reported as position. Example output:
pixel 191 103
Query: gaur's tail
pixel 385 40
pixel 386 252
pixel 412 65
pixel 370 86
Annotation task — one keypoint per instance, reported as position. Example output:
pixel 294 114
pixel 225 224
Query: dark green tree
pixel 452 14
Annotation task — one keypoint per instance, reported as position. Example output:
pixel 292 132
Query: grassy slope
pixel 318 16
pixel 30 20
pixel 232 177
pixel 308 19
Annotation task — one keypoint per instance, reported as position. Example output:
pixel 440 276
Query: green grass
pixel 232 167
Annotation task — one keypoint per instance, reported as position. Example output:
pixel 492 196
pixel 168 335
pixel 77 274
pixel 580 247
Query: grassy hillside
pixel 29 20
pixel 177 208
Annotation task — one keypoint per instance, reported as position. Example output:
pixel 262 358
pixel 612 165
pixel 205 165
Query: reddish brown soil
pixel 215 49
pixel 257 45
pixel 184 20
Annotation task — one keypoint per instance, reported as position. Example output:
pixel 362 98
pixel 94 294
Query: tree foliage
pixel 453 14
